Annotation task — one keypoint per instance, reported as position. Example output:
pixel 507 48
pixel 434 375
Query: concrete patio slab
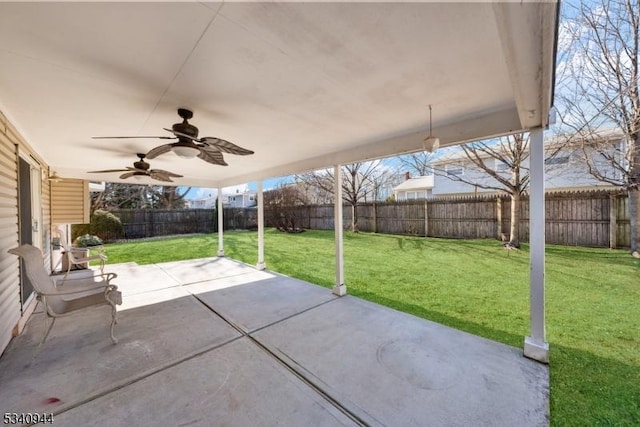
pixel 234 385
pixel 78 360
pixel 203 269
pixel 391 368
pixel 179 362
pixel 256 304
pixel 137 278
pixel 134 279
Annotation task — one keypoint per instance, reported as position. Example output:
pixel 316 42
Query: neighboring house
pixel 564 171
pixel 420 187
pixel 241 200
pixel 208 202
pixel 238 200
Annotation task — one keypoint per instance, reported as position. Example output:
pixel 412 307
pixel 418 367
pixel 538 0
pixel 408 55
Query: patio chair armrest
pixel 80 289
pixel 107 277
pixel 100 257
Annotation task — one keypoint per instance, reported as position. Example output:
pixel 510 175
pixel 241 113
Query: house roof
pixel 418 183
pixel 304 85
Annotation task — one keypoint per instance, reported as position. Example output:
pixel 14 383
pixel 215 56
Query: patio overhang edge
pixel 490 125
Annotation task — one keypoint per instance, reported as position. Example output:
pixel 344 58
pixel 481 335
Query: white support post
pixel 535 345
pixel 261 265
pixel 340 288
pixel 220 224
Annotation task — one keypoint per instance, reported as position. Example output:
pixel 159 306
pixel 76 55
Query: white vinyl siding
pixel 70 201
pixel 9 267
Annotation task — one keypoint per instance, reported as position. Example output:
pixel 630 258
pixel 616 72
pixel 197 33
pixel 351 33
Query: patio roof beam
pixel 220 223
pixel 535 345
pixel 532 84
pixel 260 265
pixel 340 288
pixel 467 129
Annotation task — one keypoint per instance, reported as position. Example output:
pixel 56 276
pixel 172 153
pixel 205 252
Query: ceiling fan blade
pixel 131 137
pixel 159 176
pixel 163 172
pixel 109 170
pixel 180 134
pixel 212 155
pixel 127 175
pixel 225 146
pixel 161 149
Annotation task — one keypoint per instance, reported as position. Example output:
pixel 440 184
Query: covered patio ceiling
pixel 304 85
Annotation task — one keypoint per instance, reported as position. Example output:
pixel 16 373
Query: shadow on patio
pixel 216 342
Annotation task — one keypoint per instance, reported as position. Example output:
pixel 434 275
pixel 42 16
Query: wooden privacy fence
pixel 143 223
pixel 595 218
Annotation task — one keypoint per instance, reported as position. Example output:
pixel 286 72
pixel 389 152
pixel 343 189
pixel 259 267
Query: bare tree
pixel 132 196
pixel 121 196
pixel 167 197
pixel 511 177
pixel 598 93
pixel 356 184
pixel 381 180
pixel 419 163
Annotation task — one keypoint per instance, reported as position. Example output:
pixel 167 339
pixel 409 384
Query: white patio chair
pixel 78 256
pixel 77 293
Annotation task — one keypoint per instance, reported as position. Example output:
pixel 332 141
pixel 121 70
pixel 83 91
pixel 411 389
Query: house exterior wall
pixel 419 193
pixel 565 171
pixel 9 279
pixel 414 188
pixel 12 315
pixel 241 200
pixel 69 202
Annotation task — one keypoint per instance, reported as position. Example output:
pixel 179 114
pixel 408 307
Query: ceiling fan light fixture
pixel 185 152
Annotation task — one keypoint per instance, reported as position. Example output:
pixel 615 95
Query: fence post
pixel 499 216
pixel 426 219
pixel 613 218
pixel 375 218
pixel 151 223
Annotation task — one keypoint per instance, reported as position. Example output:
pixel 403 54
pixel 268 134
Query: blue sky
pixel 200 192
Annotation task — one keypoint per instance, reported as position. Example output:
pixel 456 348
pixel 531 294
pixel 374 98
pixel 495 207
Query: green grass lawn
pixel 593 310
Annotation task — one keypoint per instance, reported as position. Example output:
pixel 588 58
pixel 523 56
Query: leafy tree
pixel 598 93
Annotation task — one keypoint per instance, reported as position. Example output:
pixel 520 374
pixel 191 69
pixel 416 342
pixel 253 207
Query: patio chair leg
pixel 47 329
pixel 113 337
pixel 114 320
pixel 66 274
